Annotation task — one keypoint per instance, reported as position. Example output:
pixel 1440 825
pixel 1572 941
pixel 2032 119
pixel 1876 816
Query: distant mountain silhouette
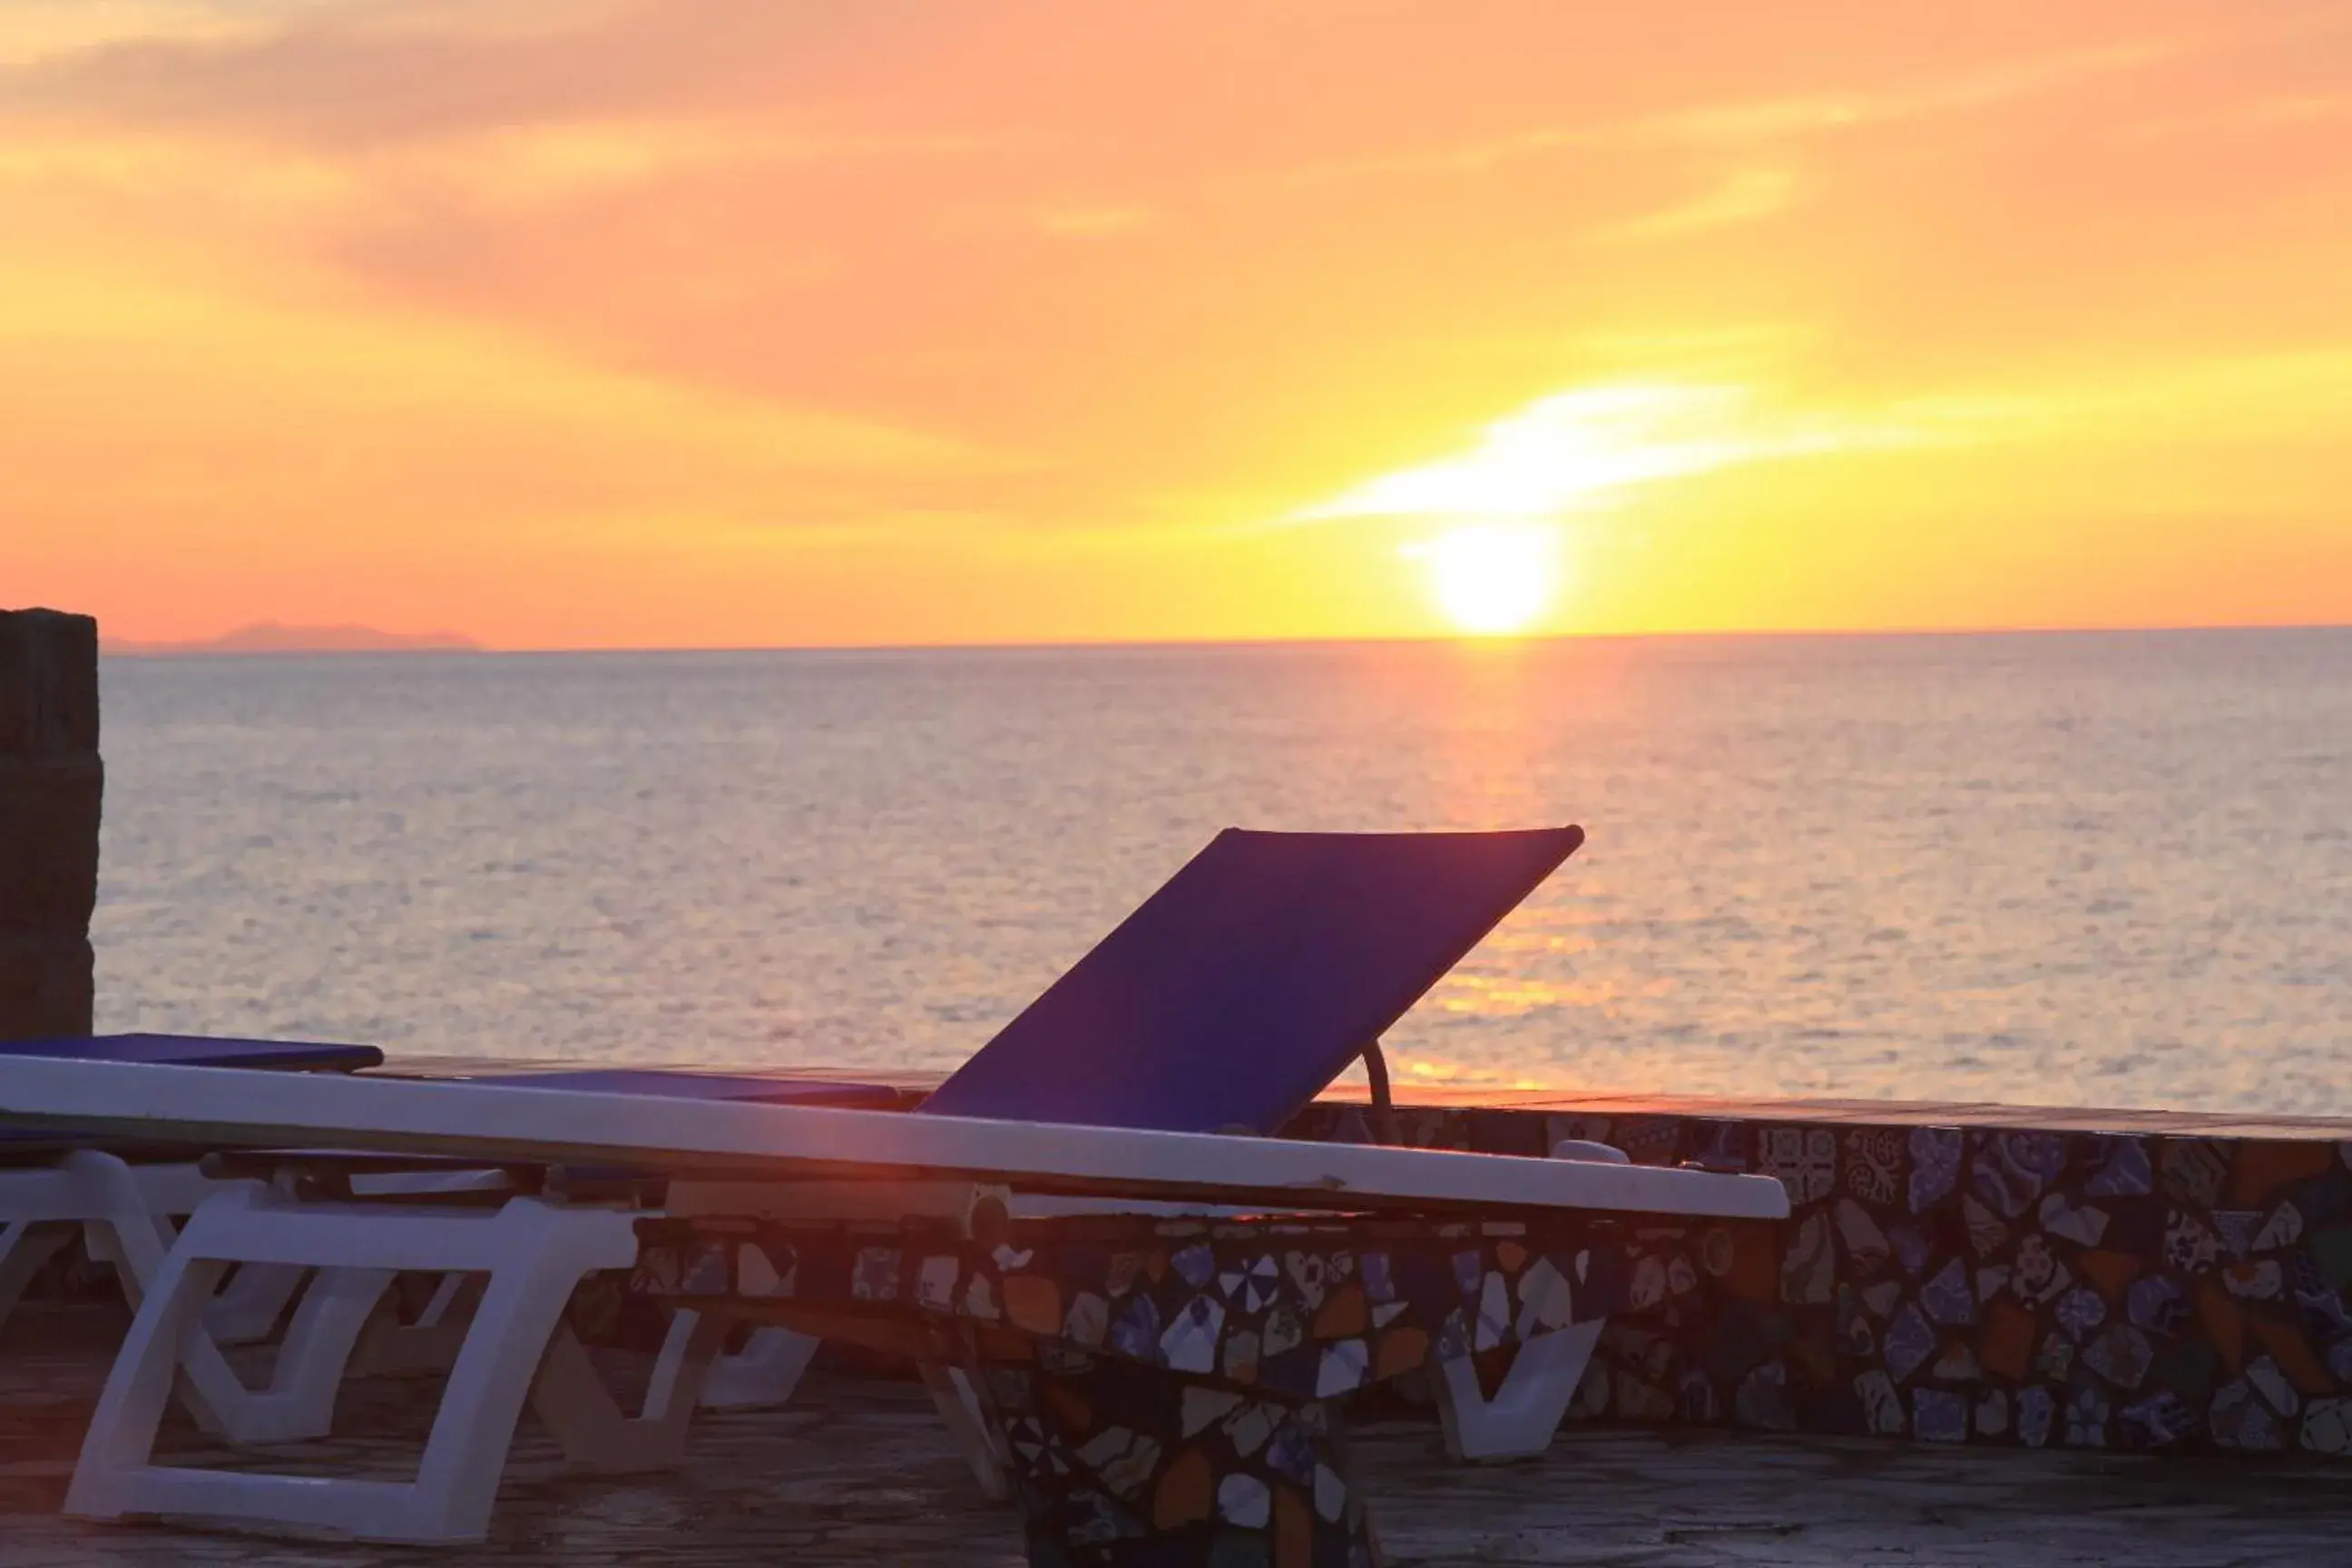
pixel 270 637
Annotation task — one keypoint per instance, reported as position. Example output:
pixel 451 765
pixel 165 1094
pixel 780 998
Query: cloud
pixel 1584 449
pixel 1776 119
pixel 2289 395
pixel 1748 197
pixel 350 76
pixel 521 167
pixel 35 31
pixel 2286 111
pixel 1573 449
pixel 253 420
pixel 1744 123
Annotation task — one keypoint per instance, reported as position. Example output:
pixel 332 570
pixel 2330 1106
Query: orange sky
pixel 752 322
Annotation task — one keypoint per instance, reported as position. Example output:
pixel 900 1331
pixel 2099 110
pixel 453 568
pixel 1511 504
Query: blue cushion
pixel 1242 987
pixel 200 1051
pixel 682 1085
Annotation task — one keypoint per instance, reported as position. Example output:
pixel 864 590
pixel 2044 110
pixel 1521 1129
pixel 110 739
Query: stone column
pixel 50 784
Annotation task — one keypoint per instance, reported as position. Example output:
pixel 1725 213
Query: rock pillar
pixel 50 784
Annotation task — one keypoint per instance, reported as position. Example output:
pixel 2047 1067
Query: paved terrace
pixel 860 1471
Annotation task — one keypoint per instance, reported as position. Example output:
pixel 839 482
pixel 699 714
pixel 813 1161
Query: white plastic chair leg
pixel 24 1246
pixel 761 1375
pixel 126 1216
pixel 588 1424
pixel 1519 1422
pixel 124 1224
pixel 535 1253
pixel 251 1305
pixel 975 1435
pixel 300 1400
pixel 390 1348
pixel 121 1433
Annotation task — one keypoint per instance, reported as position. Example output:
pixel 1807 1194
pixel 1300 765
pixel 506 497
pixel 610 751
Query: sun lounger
pixel 1162 1385
pixel 1225 1002
pixel 127 1202
pixel 1228 1001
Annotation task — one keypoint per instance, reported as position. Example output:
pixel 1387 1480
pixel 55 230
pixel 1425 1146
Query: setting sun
pixel 1492 579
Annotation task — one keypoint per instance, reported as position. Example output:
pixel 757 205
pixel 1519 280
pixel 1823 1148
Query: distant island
pixel 270 637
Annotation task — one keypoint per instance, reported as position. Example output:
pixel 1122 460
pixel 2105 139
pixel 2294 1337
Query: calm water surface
pixel 2109 870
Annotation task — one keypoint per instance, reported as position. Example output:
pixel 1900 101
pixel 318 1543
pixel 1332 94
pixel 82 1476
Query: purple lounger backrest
pixel 1237 992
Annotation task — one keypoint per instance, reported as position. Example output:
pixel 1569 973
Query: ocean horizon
pixel 2050 867
pixel 232 645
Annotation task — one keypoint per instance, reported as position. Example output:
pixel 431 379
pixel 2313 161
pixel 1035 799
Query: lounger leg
pixel 595 1435
pixel 251 1305
pixel 763 1374
pixel 122 1436
pixel 300 1400
pixel 391 1348
pixel 122 1227
pixel 535 1254
pixel 126 1230
pixel 129 1213
pixel 681 1380
pixel 24 1246
pixel 1519 1422
pixel 976 1434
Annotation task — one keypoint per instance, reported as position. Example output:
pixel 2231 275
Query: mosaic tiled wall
pixel 2067 1290
pixel 1160 1386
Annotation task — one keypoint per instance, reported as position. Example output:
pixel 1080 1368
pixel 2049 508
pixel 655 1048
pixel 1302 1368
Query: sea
pixel 2102 869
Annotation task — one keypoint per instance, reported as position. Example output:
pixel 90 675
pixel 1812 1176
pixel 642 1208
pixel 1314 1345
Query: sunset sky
pixel 752 322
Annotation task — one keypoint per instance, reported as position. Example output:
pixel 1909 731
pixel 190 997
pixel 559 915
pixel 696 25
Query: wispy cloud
pixel 355 74
pixel 1748 197
pixel 1573 451
pixel 2292 111
pixel 552 163
pixel 2283 395
pixel 1584 449
pixel 1751 123
pixel 34 31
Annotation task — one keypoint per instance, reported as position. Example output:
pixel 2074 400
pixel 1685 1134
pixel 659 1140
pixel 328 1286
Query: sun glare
pixel 1494 579
pixel 1561 454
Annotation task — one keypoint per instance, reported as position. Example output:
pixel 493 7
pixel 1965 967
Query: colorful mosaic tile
pixel 1168 1392
pixel 2034 1288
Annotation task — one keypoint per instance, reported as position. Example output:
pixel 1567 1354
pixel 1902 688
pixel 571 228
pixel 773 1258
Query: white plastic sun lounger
pixel 127 1214
pixel 534 1252
pixel 1225 1002
pixel 127 1210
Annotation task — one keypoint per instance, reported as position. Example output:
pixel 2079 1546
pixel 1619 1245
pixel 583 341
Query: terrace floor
pixel 860 1471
